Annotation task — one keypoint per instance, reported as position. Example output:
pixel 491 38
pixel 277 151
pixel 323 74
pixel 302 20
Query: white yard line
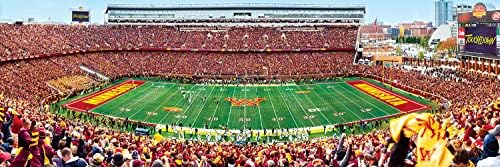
pixel 206 100
pixel 260 115
pixel 299 105
pixel 116 97
pixel 315 107
pixel 329 104
pixel 245 110
pixel 160 95
pixel 161 104
pixel 230 108
pixel 190 104
pixel 344 104
pixel 215 111
pixel 274 110
pixel 366 100
pixel 175 103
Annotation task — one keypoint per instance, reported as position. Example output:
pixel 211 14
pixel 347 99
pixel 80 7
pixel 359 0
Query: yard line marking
pixel 330 105
pixel 316 107
pixel 175 103
pixel 161 104
pixel 343 103
pixel 215 112
pixel 161 94
pixel 131 104
pixel 245 109
pixel 190 104
pixel 260 115
pixel 276 116
pixel 138 93
pixel 299 105
pixel 203 106
pixel 368 101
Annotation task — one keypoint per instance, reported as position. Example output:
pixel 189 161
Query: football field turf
pixel 249 106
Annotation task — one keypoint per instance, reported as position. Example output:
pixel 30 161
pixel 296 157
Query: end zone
pixel 92 101
pixel 394 100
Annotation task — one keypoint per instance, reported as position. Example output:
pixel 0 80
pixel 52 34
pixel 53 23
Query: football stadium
pixel 135 84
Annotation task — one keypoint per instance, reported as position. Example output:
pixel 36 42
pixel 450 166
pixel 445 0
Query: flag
pixel 431 138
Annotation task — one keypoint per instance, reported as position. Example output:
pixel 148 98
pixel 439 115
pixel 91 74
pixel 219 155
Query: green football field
pixel 249 106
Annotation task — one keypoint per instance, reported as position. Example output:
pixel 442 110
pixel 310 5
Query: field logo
pixel 172 109
pixel 303 92
pixel 245 102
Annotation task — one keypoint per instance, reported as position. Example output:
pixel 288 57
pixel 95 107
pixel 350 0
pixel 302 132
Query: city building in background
pixel 460 8
pixel 415 29
pixel 443 12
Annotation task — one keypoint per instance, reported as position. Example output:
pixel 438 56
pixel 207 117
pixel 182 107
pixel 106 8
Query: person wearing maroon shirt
pixel 24 141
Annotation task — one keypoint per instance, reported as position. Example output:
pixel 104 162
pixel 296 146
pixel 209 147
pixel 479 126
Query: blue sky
pixel 387 11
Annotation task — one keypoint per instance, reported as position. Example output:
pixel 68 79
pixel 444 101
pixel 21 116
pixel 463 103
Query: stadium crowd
pixel 35 136
pixel 35 39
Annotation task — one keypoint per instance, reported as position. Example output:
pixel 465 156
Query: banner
pixel 431 137
pixel 481 39
pixel 80 16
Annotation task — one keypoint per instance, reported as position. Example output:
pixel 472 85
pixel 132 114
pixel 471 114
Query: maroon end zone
pixel 394 100
pixel 92 101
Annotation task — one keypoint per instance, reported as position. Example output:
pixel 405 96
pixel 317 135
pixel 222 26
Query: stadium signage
pixel 399 102
pixel 80 16
pixel 479 10
pixel 101 97
pixel 481 39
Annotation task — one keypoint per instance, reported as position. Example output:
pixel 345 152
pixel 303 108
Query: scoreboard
pixel 80 16
pixel 479 31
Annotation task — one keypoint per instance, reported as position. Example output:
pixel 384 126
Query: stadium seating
pixel 29 40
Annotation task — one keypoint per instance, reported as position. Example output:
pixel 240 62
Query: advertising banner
pixel 80 16
pixel 479 14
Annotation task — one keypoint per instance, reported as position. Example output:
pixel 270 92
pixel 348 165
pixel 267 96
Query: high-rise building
pixel 443 12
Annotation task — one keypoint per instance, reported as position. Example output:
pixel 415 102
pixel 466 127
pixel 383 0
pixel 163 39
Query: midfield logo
pixel 172 109
pixel 245 102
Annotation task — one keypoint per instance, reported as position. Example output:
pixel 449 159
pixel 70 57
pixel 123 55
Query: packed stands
pixel 37 39
pixel 66 85
pixel 79 139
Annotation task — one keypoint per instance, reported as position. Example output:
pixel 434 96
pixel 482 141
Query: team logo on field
pixel 245 102
pixel 172 109
pixel 303 92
